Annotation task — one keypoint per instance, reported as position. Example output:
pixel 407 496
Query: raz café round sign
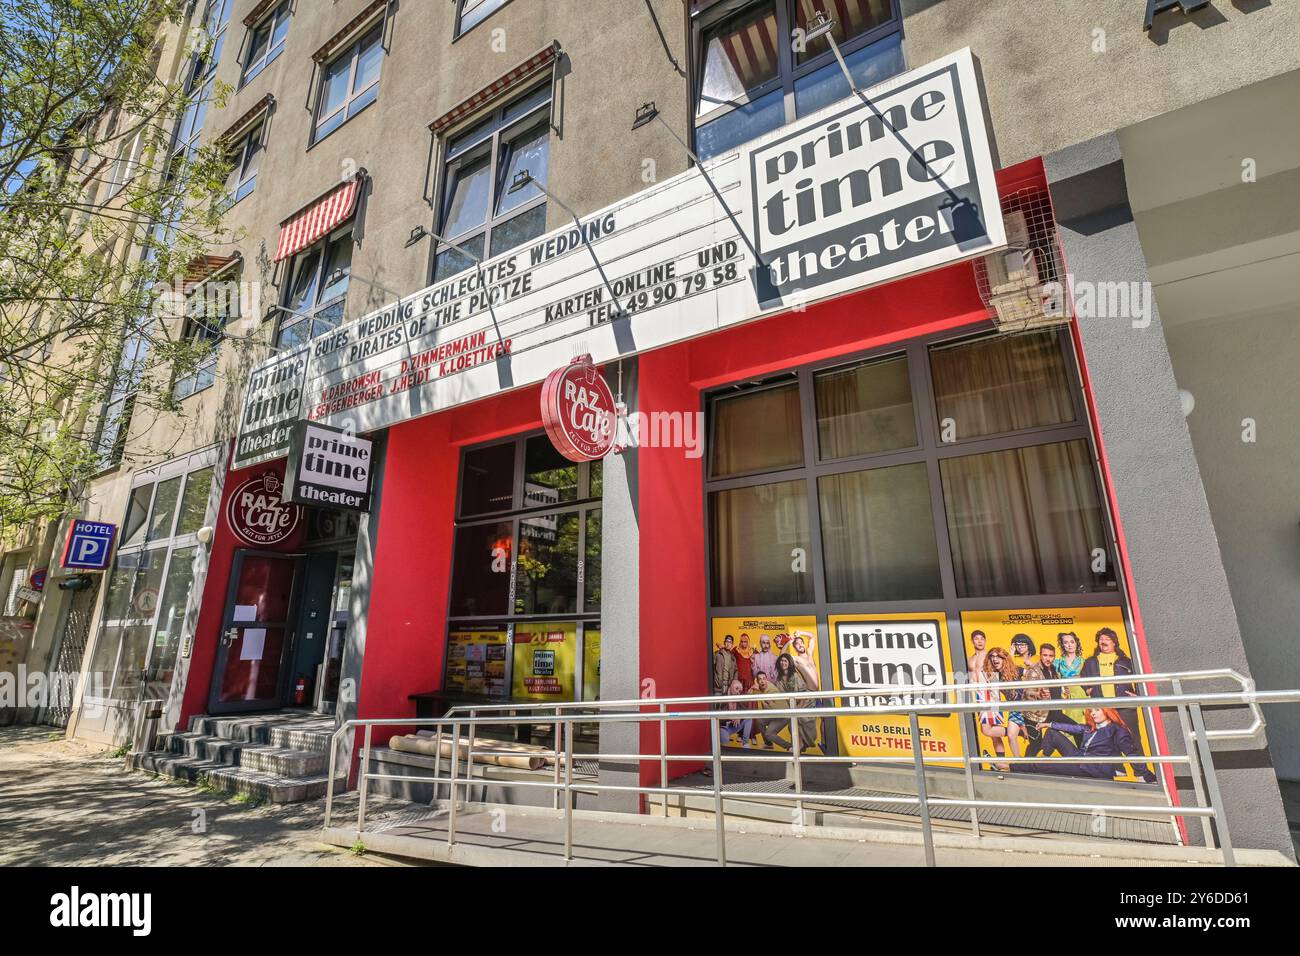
pixel 257 515
pixel 578 411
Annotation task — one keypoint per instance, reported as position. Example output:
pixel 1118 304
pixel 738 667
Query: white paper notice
pixel 254 644
pixel 245 612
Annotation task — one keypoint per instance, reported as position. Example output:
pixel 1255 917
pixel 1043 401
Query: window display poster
pixel 546 658
pixel 879 654
pixel 476 662
pixel 766 655
pixel 1050 643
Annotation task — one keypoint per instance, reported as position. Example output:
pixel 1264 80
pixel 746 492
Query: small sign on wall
pixel 329 467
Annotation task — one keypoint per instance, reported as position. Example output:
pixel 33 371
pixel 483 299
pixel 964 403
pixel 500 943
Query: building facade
pixel 852 411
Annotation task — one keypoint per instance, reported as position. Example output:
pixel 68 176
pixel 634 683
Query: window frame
pixel 930 450
pixel 242 150
pixel 788 71
pixel 203 375
pixel 374 33
pixel 458 31
pixel 467 144
pixel 320 247
pixel 252 68
pixel 583 506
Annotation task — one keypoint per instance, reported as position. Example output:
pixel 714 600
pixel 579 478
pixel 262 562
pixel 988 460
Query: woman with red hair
pixel 1104 735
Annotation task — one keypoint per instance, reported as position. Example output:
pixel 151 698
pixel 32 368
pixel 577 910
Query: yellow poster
pixel 546 657
pixel 476 662
pixel 1052 643
pixel 591 663
pixel 871 652
pixel 766 655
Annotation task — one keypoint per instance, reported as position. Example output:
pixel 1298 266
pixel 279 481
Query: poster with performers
pixel 1073 721
pixel 766 655
pixel 878 654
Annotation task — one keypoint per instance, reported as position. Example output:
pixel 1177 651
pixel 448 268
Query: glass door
pixel 255 633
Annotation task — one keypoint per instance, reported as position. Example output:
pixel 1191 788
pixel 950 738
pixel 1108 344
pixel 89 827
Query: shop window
pixel 1000 384
pixel 878 535
pixel 1026 521
pixel 349 83
pixel 752 79
pixel 480 212
pixel 525 582
pixel 267 41
pixel 756 430
pixel 757 533
pixel 317 289
pixel 865 408
pixel 470 13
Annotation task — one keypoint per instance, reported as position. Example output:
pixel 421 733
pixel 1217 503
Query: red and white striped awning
pixel 305 227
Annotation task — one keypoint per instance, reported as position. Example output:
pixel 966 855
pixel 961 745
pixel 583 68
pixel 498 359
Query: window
pixel 208 310
pixel 751 79
pixel 124 166
pixel 152 581
pixel 840 489
pixel 525 571
pixel 470 13
pixel 115 419
pixel 479 211
pixel 245 158
pixel 267 41
pixel 349 83
pixel 317 288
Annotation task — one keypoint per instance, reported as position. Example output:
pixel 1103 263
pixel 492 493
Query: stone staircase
pixel 281 757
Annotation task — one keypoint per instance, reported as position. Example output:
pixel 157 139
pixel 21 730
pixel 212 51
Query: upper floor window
pixel 208 310
pixel 215 18
pixel 267 42
pixel 350 82
pixel 470 13
pixel 480 212
pixel 755 71
pixel 245 157
pixel 318 285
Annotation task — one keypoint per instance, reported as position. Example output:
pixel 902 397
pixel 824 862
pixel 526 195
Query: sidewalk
pixel 64 803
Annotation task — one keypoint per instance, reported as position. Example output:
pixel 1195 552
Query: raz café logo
pixel 579 411
pixel 257 515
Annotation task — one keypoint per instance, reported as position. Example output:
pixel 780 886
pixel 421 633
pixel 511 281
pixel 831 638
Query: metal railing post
pixel 469 761
pixel 555 798
pixel 365 781
pixel 795 747
pixel 437 763
pixel 451 782
pixel 970 744
pixel 568 789
pixel 663 754
pixel 927 835
pixel 1212 785
pixel 329 784
pixel 715 728
pixel 1194 766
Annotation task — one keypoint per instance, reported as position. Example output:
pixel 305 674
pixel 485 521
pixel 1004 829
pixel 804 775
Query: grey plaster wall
pixel 1185 606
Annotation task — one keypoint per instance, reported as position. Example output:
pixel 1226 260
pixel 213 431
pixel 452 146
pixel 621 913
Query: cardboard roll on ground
pixel 516 756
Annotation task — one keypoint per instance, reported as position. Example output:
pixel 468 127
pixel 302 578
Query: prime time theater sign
pixel 863 192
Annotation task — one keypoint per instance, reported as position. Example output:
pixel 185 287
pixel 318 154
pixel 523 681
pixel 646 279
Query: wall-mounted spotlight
pixel 417 233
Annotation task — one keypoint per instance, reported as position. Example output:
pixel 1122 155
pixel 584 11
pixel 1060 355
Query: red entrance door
pixel 255 633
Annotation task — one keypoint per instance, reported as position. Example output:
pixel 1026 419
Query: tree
pixel 102 206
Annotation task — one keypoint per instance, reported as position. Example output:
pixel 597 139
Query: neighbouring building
pixel 997 348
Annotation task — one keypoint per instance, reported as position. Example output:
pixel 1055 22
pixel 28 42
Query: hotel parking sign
pixel 89 545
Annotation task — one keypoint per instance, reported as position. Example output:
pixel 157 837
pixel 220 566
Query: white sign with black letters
pixel 330 468
pixel 860 193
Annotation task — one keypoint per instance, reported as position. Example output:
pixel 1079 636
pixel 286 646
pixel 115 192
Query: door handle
pixel 232 635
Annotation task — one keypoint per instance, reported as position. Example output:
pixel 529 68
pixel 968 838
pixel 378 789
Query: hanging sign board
pixel 89 545
pixel 256 513
pixel 329 467
pixel 578 411
pixel 866 191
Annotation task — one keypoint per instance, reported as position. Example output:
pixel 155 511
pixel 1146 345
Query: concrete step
pixel 260 784
pixel 294 730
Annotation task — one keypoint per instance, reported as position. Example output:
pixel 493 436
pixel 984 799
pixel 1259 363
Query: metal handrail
pixel 718 708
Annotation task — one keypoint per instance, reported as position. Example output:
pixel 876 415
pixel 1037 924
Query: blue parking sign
pixel 89 545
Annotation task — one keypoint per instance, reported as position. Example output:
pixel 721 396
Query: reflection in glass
pixel 194 503
pixel 739 54
pixel 878 535
pixel 591 564
pixel 740 125
pixel 164 508
pixel 546 578
pixel 488 481
pixel 480 581
pixel 869 65
pixel 549 477
pixel 525 226
pixel 755 532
